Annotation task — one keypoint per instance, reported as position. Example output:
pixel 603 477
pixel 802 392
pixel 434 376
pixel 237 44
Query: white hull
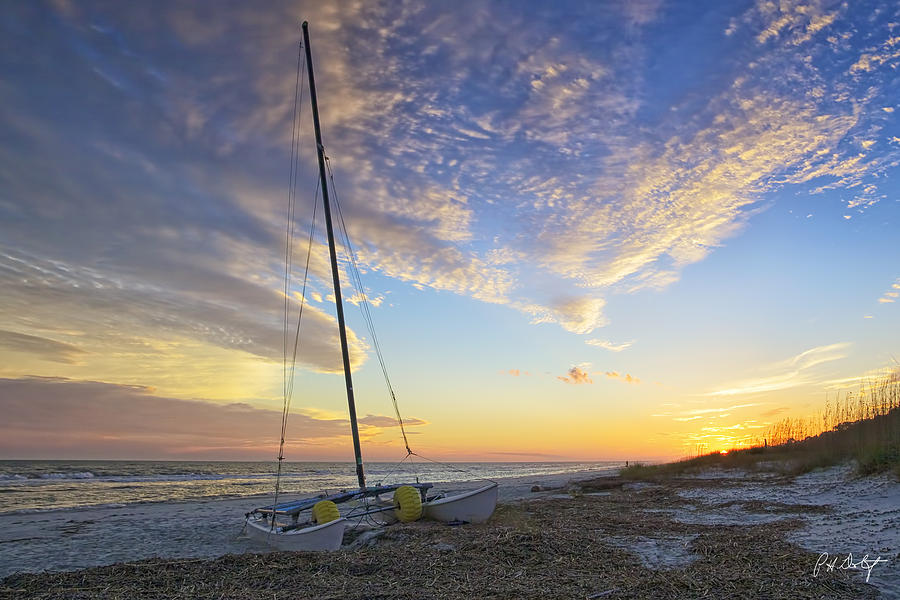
pixel 315 538
pixel 476 506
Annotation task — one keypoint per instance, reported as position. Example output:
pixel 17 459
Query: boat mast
pixel 345 354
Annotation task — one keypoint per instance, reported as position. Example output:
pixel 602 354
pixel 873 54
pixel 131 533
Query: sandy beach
pixel 81 538
pixel 720 535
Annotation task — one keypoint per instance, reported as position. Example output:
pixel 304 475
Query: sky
pixel 586 230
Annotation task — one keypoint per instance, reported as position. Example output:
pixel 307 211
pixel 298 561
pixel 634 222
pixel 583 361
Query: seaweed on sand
pixel 555 548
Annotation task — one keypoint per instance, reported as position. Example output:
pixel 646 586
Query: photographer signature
pixel 864 564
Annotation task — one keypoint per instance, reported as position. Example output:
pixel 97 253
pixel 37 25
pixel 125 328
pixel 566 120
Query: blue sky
pixel 589 230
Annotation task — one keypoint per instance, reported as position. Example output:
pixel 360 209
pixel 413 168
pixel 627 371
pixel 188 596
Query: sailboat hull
pixel 316 538
pixel 476 506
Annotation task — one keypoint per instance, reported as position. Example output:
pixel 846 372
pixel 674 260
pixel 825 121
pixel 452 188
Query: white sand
pixel 865 517
pixel 75 539
pixel 660 552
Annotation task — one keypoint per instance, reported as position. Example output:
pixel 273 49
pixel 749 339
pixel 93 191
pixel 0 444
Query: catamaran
pixel 318 523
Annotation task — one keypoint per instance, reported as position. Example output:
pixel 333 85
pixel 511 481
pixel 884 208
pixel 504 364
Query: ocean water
pixel 30 486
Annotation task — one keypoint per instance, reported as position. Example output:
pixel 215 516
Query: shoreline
pixel 755 533
pixel 38 488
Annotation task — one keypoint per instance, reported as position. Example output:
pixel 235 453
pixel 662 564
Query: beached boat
pixel 318 523
pixel 475 506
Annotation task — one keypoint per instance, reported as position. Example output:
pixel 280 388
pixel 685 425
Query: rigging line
pixel 312 228
pixel 393 470
pixel 289 226
pixel 288 251
pixel 290 387
pixel 293 368
pixel 292 196
pixel 365 308
pixel 452 468
pixel 364 305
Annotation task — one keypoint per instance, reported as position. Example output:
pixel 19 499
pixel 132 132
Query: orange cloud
pixel 575 376
pixel 627 378
pixel 516 373
pixel 53 417
pixel 381 421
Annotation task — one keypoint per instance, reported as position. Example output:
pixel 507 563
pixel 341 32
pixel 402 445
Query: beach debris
pixel 585 547
pixel 546 488
pixel 366 539
pixel 444 547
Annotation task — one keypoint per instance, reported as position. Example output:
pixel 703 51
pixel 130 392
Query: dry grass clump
pixel 530 549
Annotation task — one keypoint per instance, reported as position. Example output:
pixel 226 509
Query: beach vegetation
pixel 862 427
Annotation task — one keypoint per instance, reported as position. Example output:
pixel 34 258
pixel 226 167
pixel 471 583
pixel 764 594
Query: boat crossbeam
pixel 294 508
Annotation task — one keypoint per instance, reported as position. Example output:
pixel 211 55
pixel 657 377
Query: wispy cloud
pixel 890 296
pixel 41 346
pixel 792 372
pixel 380 421
pixel 870 377
pixel 163 305
pixel 719 409
pixel 578 315
pixel 607 345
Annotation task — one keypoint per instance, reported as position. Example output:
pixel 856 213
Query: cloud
pixel 796 22
pixel 627 378
pixel 723 409
pixel 792 372
pixel 46 348
pixel 890 296
pixel 47 417
pixel 516 373
pixel 575 376
pixel 702 413
pixel 887 53
pixel 171 301
pixel 53 417
pixel 867 379
pixel 774 412
pixel 607 345
pixel 512 161
pixel 383 422
pixel 578 315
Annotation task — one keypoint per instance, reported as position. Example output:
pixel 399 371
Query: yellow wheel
pixel 407 503
pixel 325 511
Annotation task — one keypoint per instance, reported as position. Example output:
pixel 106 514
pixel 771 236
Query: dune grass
pixel 863 427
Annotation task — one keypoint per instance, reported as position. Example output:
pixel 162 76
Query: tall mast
pixel 345 354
